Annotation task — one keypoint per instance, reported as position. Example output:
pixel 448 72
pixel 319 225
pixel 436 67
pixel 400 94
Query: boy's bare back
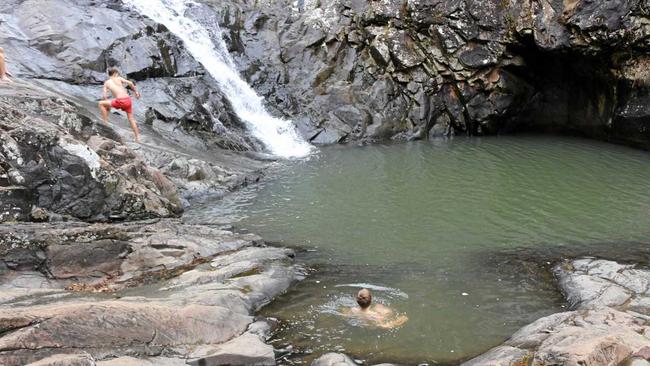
pixel 116 86
pixel 377 314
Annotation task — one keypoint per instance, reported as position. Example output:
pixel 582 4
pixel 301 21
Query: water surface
pixel 437 228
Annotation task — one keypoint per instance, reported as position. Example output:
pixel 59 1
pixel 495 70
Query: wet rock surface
pixel 71 54
pixel 142 290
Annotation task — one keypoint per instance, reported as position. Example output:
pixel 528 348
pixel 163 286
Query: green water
pixel 455 234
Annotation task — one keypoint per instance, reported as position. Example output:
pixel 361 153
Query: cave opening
pixel 572 93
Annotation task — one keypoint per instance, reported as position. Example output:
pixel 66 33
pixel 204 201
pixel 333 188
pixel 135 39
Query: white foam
pixel 278 135
pixel 390 290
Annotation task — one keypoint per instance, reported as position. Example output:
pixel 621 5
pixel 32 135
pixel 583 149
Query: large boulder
pixel 247 349
pixel 113 327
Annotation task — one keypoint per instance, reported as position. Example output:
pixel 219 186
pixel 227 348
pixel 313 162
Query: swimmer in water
pixel 378 314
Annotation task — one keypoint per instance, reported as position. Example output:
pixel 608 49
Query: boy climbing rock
pixel 122 100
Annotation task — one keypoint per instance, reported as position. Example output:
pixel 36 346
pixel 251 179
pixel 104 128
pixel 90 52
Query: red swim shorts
pixel 123 104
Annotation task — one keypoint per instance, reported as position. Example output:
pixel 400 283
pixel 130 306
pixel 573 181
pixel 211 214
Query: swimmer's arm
pixel 397 322
pixel 384 310
pixel 349 311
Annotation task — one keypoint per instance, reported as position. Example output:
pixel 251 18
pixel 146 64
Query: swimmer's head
pixel 364 298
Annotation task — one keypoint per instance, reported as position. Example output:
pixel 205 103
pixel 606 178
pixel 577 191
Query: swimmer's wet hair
pixel 364 298
pixel 112 71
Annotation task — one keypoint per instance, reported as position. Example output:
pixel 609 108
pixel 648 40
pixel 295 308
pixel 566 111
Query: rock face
pixel 368 70
pixel 145 290
pixel 190 133
pixel 348 70
pixel 344 70
pixel 55 162
pixel 72 54
pixel 610 327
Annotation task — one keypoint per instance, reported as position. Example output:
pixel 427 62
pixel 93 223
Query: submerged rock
pixel 333 359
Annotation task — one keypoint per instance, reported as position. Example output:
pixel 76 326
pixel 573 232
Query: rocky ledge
pixel 609 326
pixel 153 292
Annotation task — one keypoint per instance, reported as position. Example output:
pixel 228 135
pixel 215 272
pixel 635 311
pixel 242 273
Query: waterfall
pixel 278 135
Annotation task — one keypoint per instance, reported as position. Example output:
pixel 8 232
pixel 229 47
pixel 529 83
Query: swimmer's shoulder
pixel 350 311
pixel 382 309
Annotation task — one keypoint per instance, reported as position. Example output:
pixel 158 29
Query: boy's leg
pixel 3 68
pixel 134 127
pixel 105 107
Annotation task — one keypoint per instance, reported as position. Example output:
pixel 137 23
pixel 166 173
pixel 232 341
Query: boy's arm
pixel 132 86
pixel 399 321
pixel 105 92
pixel 383 310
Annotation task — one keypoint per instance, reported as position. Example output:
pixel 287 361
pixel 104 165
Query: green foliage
pixel 511 24
pixel 503 5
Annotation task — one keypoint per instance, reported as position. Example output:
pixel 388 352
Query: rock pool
pixel 452 233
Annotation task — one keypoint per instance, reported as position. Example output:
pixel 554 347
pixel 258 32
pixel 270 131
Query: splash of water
pixel 278 135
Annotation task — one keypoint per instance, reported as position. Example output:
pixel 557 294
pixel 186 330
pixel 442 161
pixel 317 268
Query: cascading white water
pixel 278 135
